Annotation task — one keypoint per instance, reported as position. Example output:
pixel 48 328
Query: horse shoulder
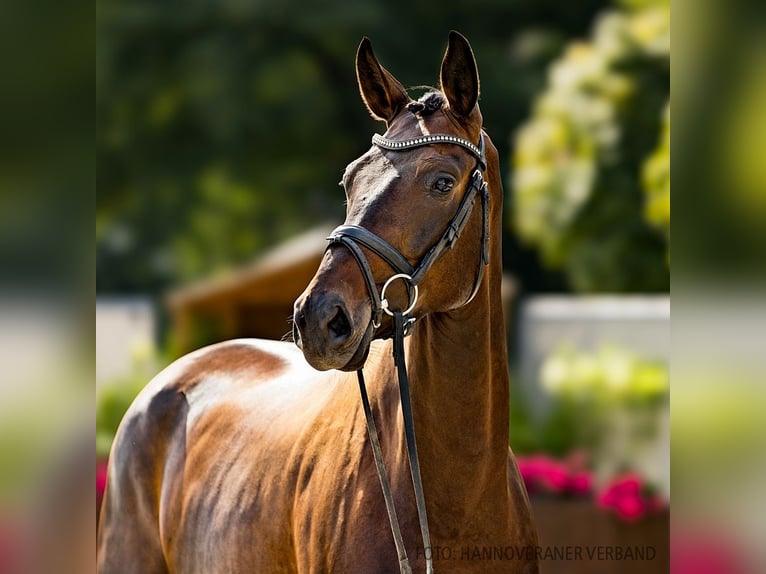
pixel 151 447
pixel 128 538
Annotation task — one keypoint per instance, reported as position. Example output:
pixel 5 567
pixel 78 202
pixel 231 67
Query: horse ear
pixel 383 95
pixel 459 76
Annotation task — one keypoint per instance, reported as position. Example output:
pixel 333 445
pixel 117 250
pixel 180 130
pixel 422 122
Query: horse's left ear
pixel 459 76
pixel 383 95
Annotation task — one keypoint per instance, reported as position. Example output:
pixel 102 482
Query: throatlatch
pixel 352 236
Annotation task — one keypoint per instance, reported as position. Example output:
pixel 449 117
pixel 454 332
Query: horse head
pixel 408 198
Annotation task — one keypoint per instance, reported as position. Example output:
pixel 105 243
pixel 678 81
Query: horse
pixel 253 456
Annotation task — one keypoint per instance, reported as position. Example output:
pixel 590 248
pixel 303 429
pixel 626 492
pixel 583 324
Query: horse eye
pixel 443 184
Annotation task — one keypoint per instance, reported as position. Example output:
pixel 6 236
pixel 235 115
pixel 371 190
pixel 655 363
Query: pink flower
pixel 619 487
pixel 529 471
pixel 630 507
pixel 553 475
pixel 625 496
pixel 580 483
pixel 539 472
pixel 101 474
pixel 543 473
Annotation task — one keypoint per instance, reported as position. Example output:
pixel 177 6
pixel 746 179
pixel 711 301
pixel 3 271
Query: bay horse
pixel 252 456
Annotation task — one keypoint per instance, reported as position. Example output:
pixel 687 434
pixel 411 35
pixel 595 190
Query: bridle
pixel 354 236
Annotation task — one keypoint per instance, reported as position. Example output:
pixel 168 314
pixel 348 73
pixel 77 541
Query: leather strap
pixel 372 433
pixel 375 244
pixel 400 322
pixel 484 242
pixel 409 433
pixel 455 227
pixel 369 279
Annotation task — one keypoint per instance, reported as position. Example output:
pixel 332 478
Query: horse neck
pixel 459 383
pixel 457 366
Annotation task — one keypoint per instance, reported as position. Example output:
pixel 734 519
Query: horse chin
pixel 359 358
pixel 350 358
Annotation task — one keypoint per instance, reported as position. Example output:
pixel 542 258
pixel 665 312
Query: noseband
pixel 354 236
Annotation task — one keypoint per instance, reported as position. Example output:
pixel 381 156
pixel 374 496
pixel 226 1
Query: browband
pixel 429 139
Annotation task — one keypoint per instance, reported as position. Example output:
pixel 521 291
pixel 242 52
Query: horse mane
pixel 428 103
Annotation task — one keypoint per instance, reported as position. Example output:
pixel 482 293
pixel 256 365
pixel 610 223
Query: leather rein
pixel 352 237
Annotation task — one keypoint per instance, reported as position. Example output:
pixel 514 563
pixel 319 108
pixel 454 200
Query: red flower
pixel 580 483
pixel 543 473
pixel 553 475
pixel 625 496
pixel 101 473
pixel 630 507
pixel 528 471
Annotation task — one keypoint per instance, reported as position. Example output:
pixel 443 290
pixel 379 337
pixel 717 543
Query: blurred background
pixel 222 131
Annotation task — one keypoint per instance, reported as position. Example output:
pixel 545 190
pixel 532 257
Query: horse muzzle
pixel 330 333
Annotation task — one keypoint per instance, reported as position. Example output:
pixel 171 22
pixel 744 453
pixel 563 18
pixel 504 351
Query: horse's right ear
pixel 383 95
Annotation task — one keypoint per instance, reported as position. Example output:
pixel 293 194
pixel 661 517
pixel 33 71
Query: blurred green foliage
pixel 610 375
pixel 603 399
pixel 224 127
pixel 578 161
pixel 115 396
pixel 112 402
pixel 656 180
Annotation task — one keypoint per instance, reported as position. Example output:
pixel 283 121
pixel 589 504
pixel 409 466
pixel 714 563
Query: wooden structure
pixel 577 537
pixel 253 301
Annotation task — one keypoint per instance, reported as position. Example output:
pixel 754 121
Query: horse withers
pixel 253 456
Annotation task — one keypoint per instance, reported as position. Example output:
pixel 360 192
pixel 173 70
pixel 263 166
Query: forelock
pixel 427 104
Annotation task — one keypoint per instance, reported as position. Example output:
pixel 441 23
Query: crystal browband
pixel 428 139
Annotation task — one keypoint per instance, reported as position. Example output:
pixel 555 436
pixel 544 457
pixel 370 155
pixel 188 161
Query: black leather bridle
pixel 353 237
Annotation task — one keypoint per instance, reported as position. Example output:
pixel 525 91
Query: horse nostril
pixel 339 327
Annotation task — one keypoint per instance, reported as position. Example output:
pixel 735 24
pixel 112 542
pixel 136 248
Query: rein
pixel 352 236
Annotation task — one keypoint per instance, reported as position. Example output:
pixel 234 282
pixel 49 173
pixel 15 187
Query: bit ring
pixel 412 294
